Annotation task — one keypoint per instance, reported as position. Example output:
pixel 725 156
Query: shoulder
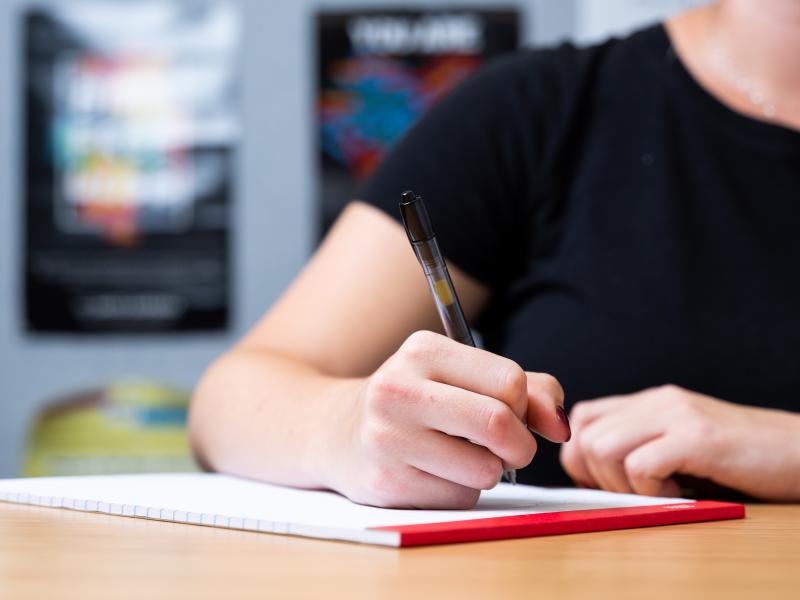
pixel 543 92
pixel 561 69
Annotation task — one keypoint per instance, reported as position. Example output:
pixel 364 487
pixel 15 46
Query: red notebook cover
pixel 576 521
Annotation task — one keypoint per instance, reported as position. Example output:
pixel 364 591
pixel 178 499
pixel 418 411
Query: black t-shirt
pixel 634 230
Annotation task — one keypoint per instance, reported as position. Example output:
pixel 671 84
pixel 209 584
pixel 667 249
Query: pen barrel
pixel 443 291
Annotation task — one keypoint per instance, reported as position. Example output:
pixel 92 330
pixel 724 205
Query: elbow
pixel 202 408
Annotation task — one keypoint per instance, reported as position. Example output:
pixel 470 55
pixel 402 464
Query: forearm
pixel 261 415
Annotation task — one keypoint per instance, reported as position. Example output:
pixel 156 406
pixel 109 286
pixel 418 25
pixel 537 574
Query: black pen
pixel 423 240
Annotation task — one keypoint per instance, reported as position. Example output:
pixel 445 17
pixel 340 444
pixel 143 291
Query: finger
pixel 575 455
pixel 456 459
pixel 434 493
pixel 650 467
pixel 480 419
pixel 574 465
pixel 441 359
pixel 594 472
pixel 607 441
pixel 408 487
pixel 584 413
pixel 546 413
pixel 602 438
pixel 610 474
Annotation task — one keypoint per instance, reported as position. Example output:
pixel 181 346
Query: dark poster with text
pixel 130 130
pixel 378 72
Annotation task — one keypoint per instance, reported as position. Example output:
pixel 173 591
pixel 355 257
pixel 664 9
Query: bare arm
pixel 318 394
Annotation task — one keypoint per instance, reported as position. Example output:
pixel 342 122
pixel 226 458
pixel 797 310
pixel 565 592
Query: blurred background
pixel 167 166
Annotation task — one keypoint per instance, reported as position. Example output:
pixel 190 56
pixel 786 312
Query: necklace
pixel 740 81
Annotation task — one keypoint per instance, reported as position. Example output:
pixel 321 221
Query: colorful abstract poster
pixel 379 71
pixel 131 124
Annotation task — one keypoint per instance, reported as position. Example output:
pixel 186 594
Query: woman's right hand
pixel 290 404
pixel 438 422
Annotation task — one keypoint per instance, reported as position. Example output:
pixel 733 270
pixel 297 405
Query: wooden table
pixel 50 553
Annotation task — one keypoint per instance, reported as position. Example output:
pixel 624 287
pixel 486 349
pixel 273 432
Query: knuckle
pixel 669 393
pixel 636 468
pixel 603 450
pixel 577 415
pixel 669 389
pixel 498 423
pixel 699 431
pixel 488 472
pixel 514 382
pixel 420 345
pixel 685 405
pixel 383 387
pixel 381 383
pixel 584 442
pixel 656 398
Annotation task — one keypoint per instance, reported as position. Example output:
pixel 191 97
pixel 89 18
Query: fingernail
pixel 562 416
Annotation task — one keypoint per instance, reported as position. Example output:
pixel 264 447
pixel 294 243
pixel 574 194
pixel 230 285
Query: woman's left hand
pixel 636 443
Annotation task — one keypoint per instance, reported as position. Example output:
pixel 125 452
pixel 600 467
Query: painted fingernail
pixel 562 416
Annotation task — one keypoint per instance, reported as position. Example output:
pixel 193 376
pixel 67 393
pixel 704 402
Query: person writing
pixel 620 220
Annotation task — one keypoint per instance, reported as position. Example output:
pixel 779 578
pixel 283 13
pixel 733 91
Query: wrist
pixel 330 443
pixel 793 448
pixel 769 456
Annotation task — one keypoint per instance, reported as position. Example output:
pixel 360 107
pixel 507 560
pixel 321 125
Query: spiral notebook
pixel 221 501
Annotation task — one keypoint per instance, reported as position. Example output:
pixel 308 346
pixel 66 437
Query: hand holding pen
pixel 439 421
pixel 423 240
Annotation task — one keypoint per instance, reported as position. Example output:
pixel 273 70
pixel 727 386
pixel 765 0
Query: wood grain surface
pixel 52 553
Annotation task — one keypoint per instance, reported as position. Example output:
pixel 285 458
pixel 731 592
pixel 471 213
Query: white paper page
pixel 229 497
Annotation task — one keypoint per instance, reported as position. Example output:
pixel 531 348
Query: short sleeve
pixel 472 158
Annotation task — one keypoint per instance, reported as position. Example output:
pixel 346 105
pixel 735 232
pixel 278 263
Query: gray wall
pixel 275 177
pixel 597 19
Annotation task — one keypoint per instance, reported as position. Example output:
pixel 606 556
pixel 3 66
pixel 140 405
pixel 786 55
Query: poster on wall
pixel 379 71
pixel 130 129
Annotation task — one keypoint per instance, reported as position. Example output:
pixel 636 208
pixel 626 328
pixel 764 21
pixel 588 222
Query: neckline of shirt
pixel 771 136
